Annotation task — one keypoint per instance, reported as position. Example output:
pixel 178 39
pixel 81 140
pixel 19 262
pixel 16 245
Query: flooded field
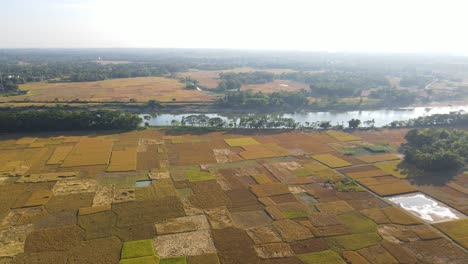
pixel 426 207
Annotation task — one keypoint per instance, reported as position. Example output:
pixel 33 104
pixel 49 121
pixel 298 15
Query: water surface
pixel 426 207
pixel 381 117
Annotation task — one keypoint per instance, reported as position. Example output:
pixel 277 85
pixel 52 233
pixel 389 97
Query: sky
pixel 395 26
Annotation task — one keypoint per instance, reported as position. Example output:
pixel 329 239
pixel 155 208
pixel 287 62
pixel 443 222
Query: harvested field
pixel 378 158
pixel 81 199
pixel 275 86
pixel 87 152
pixel 140 89
pixel 342 136
pixel 59 155
pixel 184 244
pixel 323 257
pixel 331 161
pixel 457 230
pixel 393 168
pixel 123 160
pixel 241 142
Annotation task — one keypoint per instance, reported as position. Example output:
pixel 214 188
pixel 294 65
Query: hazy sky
pixel 318 25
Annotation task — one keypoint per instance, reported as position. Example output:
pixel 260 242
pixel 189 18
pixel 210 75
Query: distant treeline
pixel 415 81
pixel 63 120
pixel 459 118
pixel 322 84
pixel 85 71
pixel 250 99
pixel 338 84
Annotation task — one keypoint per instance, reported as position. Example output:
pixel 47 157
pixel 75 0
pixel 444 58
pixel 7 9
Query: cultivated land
pixel 276 86
pixel 210 79
pixel 140 89
pixel 220 197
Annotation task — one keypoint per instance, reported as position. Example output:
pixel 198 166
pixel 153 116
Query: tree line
pixel 259 100
pixel 65 120
pixel 458 118
pixel 263 122
pixel 436 149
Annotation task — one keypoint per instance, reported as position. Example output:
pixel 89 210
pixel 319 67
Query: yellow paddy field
pixel 140 89
pixel 161 196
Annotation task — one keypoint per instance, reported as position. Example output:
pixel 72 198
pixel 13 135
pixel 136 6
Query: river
pixel 381 117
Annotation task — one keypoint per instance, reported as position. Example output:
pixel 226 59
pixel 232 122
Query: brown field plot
pixel 275 86
pixel 140 89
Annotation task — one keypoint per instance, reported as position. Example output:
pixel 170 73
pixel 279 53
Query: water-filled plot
pixel 426 208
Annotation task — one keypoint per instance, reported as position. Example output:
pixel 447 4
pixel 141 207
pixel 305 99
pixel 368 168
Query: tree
pixel 325 124
pixel 216 122
pixel 153 104
pixel 436 149
pixel 370 123
pixel 354 123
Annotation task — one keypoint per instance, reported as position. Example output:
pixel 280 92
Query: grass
pixel 331 161
pixel 142 260
pixel 174 260
pixel 391 167
pixel 321 257
pixel 295 214
pixel 357 222
pixel 138 248
pixel 240 142
pixel 377 148
pixel 345 185
pixel 354 241
pixel 194 175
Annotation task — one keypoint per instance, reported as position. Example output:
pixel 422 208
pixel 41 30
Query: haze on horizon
pixel 397 26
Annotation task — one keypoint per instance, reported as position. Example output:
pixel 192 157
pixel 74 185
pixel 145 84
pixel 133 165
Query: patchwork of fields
pixel 157 196
pixel 140 89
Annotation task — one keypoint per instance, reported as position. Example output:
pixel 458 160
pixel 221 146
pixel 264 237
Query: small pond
pixel 143 183
pixel 426 208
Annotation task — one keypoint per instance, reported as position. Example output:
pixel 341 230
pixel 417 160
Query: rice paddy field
pixel 161 196
pixel 140 89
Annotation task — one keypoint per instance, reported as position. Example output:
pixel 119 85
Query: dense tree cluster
pixel 393 97
pixel 415 80
pixel 234 80
pixel 459 118
pixel 249 99
pixel 337 84
pixel 436 149
pixel 248 121
pixel 89 71
pixel 62 120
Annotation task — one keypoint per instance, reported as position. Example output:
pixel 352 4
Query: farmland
pixel 210 79
pixel 165 196
pixel 140 89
